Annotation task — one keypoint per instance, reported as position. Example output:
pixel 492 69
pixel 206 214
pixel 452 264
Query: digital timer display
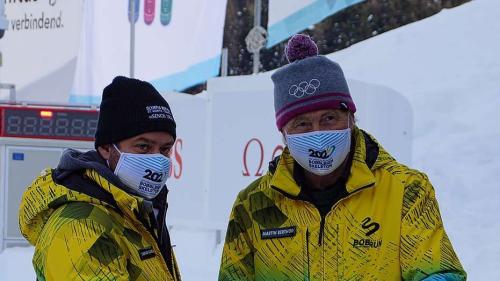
pixel 48 123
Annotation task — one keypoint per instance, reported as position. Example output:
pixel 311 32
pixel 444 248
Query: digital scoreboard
pixel 46 122
pixel 32 138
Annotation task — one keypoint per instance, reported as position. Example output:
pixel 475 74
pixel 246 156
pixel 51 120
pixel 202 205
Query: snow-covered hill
pixel 448 66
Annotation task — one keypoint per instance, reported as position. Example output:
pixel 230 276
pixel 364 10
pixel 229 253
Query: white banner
pixel 225 140
pixel 177 44
pixel 227 136
pixel 187 181
pixel 287 17
pixel 40 47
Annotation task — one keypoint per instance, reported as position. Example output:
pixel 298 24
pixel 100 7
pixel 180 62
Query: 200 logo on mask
pixel 321 154
pixel 153 176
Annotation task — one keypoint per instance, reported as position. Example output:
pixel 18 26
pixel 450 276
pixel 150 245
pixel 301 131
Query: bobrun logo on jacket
pixel 371 228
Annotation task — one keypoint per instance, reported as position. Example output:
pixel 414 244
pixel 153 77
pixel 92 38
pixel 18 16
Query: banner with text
pixel 177 44
pixel 40 47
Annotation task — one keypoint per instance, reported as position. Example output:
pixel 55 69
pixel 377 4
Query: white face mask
pixel 320 152
pixel 146 174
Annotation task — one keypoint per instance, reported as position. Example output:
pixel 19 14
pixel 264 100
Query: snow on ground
pixel 448 66
pixel 15 264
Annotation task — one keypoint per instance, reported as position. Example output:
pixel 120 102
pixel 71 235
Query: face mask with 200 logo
pixel 320 152
pixel 146 174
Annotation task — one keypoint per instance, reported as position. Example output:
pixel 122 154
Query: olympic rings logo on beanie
pixel 304 88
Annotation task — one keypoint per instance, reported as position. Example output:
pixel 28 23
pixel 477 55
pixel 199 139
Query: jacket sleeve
pixel 76 248
pixel 238 255
pixel 426 252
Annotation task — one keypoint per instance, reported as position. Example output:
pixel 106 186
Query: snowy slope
pixel 448 66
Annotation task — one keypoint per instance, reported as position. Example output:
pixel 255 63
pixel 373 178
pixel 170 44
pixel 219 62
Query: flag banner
pixel 287 17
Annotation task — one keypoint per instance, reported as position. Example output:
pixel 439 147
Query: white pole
pixel 224 63
pixel 132 37
pixel 256 22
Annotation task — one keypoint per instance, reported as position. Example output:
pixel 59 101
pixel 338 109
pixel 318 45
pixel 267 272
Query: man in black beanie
pixel 100 215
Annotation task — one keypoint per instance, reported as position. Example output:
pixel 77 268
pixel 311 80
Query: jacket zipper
pixel 141 224
pixel 171 265
pixel 307 252
pixel 158 239
pixel 323 218
pixel 322 222
pixel 321 230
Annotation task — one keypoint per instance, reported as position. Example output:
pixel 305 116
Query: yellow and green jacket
pixel 387 226
pixel 84 227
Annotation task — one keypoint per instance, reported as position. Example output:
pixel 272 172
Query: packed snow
pixel 448 67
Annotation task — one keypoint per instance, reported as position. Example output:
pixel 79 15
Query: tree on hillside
pixel 341 30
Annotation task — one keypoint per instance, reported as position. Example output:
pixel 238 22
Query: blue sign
pixel 18 156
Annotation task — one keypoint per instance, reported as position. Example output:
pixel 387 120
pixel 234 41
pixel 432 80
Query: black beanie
pixel 131 107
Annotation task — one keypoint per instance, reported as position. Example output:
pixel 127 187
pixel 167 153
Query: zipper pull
pixel 321 230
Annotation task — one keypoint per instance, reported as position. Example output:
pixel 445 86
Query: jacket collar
pixel 126 202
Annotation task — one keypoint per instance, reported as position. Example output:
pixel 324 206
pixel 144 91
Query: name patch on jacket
pixel 146 253
pixel 278 232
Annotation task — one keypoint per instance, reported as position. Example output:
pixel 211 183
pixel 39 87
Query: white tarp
pixel 40 47
pixel 190 157
pixel 287 17
pixel 177 44
pixel 227 136
pixel 225 140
